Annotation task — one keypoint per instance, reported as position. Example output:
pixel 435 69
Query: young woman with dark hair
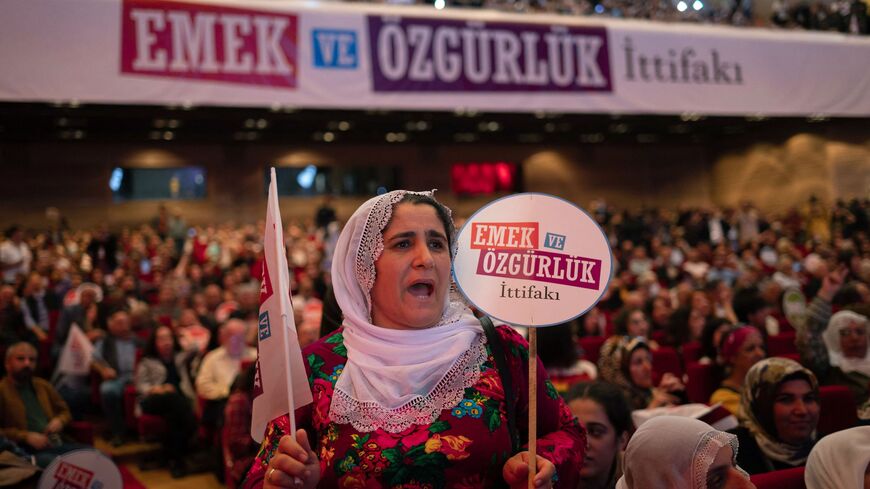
pixel 164 389
pixel 605 412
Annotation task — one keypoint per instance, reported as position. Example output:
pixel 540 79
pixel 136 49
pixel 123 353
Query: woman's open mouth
pixel 422 289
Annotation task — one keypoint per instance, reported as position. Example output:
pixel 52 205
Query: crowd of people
pixel 847 16
pixel 172 311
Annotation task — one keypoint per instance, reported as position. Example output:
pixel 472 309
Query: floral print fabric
pixel 465 447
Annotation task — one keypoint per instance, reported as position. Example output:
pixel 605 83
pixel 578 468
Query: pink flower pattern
pixel 466 452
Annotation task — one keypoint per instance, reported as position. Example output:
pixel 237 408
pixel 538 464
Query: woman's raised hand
pixel 516 472
pixel 294 464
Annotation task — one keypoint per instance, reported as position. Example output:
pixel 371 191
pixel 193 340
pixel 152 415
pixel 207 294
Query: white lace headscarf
pixel 839 460
pixel 394 379
pixel 673 452
pixel 844 319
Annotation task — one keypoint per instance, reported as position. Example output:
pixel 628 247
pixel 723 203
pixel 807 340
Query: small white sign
pixel 81 469
pixel 532 260
pixel 794 305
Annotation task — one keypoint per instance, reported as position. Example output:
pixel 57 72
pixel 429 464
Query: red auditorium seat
pixel 659 337
pixel 781 344
pixel 780 479
pixel 837 409
pixel 82 432
pixel 791 356
pixel 150 427
pixel 701 383
pixel 666 359
pixel 592 347
pixel 691 352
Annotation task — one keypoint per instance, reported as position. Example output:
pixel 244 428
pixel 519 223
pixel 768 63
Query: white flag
pixel 279 362
pixel 75 359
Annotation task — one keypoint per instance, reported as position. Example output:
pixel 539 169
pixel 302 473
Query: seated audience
pixel 752 309
pixel 711 339
pixel 779 412
pixel 836 347
pixel 606 414
pixel 12 325
pixel 19 467
pixel 15 256
pixel 83 311
pixel 219 369
pixel 151 276
pixel 560 354
pixel 164 389
pixel 628 364
pixel 237 424
pixel 114 361
pixel 688 321
pixel 36 304
pixel 632 322
pixel 660 311
pixel 192 335
pixel 673 452
pixel 840 460
pixel 741 348
pixel 32 413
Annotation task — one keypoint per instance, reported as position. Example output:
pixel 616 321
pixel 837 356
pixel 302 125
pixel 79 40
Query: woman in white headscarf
pixel 840 460
pixel 408 393
pixel 846 340
pixel 836 347
pixel 675 452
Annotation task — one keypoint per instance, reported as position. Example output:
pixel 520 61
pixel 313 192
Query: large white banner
pixel 337 55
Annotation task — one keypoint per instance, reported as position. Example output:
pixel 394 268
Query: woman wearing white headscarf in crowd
pixel 408 393
pixel 836 347
pixel 675 452
pixel 840 460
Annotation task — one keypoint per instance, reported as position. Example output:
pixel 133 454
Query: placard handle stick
pixel 533 405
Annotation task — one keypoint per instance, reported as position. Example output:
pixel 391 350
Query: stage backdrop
pixel 336 55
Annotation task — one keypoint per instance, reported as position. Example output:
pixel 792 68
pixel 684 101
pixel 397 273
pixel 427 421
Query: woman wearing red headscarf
pixel 741 348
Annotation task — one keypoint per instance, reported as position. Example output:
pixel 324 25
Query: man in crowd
pixel 84 313
pixel 36 305
pixel 12 326
pixel 15 256
pixel 32 413
pixel 115 360
pixel 220 367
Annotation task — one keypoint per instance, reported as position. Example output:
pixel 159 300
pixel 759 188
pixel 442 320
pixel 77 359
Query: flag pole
pixel 285 323
pixel 291 413
pixel 533 405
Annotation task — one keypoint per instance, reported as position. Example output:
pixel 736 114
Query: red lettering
pixel 504 235
pixel 208 42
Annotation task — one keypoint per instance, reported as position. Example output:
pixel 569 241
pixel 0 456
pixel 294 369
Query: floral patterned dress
pixel 465 447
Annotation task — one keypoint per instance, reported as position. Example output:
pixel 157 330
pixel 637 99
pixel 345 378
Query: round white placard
pixel 82 469
pixel 532 260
